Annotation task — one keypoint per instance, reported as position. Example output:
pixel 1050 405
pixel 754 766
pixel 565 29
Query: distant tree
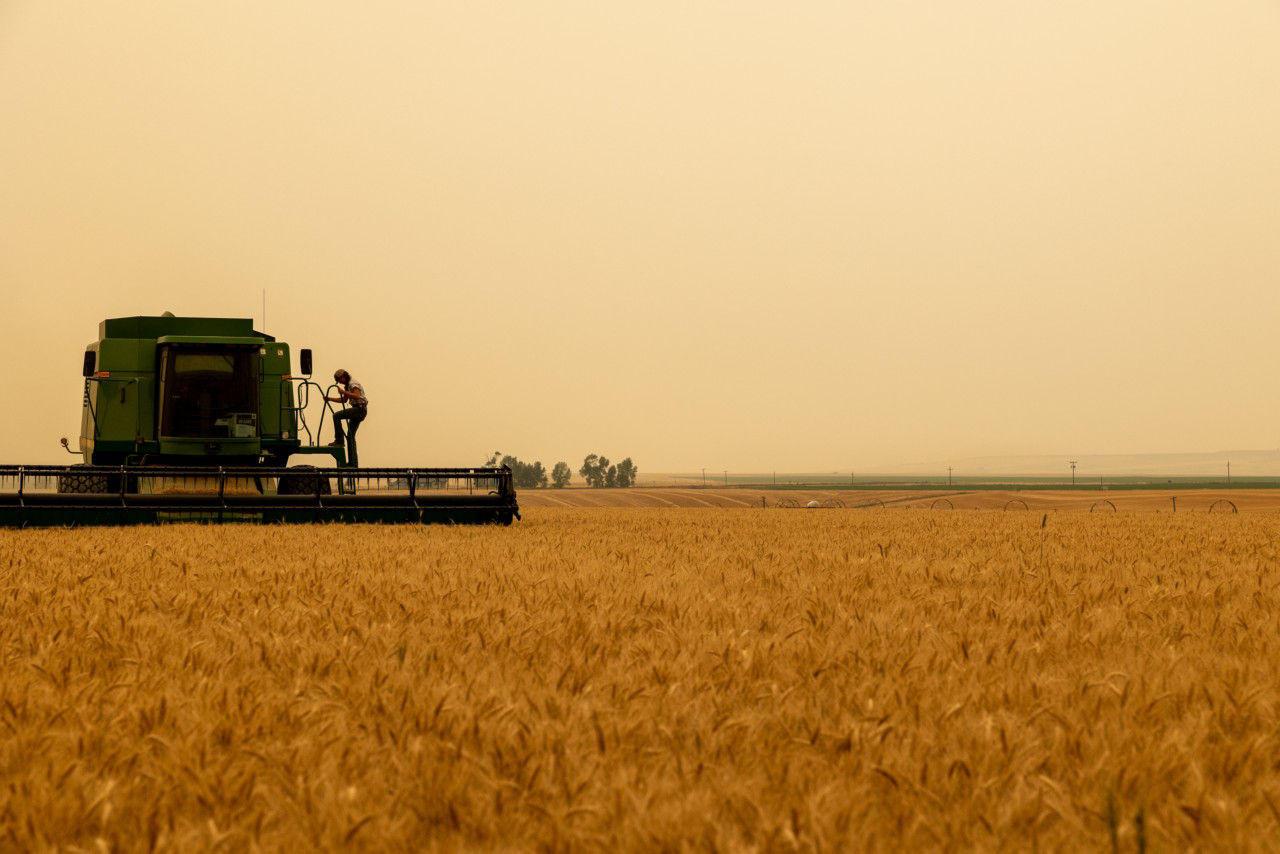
pixel 595 470
pixel 526 475
pixel 560 475
pixel 627 472
pixel 590 465
pixel 523 475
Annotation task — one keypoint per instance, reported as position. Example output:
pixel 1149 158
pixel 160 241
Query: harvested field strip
pixel 694 499
pixel 555 500
pixel 1146 500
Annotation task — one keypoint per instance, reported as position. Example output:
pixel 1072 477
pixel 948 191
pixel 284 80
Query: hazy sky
pixel 742 235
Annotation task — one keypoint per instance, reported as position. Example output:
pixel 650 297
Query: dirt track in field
pixel 1098 501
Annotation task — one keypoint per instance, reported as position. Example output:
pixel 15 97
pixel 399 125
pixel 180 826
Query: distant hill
pixel 1243 464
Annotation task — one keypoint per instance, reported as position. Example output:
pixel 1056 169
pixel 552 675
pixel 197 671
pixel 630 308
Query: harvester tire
pixel 82 484
pixel 303 483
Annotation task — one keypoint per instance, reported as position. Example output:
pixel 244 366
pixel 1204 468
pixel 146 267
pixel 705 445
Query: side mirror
pixel 90 363
pixel 304 361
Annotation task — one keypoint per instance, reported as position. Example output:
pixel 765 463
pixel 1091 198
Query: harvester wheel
pixel 303 483
pixel 82 484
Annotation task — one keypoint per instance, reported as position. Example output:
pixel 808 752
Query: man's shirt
pixel 356 388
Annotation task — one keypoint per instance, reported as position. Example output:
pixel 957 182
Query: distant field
pixel 1046 500
pixel 873 482
pixel 647 679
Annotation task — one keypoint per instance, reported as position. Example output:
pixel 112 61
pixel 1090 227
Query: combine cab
pixel 191 419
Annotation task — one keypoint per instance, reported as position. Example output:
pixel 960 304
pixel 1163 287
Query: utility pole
pixel 1228 473
pixel 704 477
pixel 726 477
pixel 1072 463
pixel 948 475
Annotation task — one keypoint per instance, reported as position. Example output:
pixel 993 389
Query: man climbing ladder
pixel 352 393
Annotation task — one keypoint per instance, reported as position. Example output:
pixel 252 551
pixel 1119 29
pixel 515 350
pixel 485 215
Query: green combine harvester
pixel 196 419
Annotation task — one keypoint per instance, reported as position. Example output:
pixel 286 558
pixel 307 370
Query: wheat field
pixel 643 679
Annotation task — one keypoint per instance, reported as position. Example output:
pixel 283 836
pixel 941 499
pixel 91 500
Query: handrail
pixel 305 385
pixel 303 403
pixel 328 408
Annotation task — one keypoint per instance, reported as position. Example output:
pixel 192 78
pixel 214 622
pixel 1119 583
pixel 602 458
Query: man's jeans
pixel 353 416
